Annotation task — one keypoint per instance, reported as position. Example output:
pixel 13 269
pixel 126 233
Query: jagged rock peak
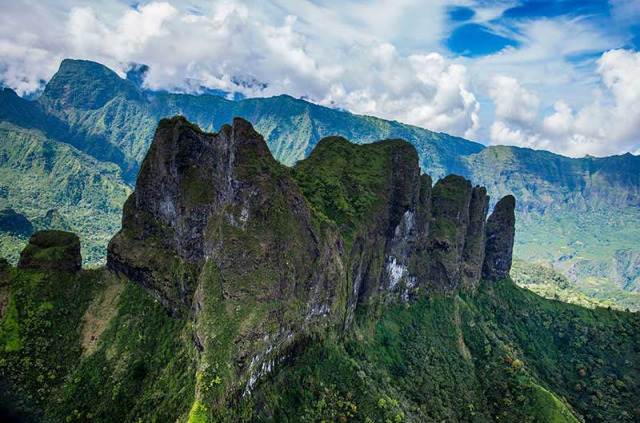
pixel 392 229
pixel 501 231
pixel 52 250
pixel 219 231
pixel 220 198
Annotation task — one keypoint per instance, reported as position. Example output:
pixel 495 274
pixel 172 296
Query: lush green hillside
pixel 581 216
pixel 89 347
pixel 550 283
pixel 499 355
pixel 52 184
pixel 346 288
pixel 578 215
pixel 94 347
pixel 564 240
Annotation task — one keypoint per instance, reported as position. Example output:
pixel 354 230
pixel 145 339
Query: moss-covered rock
pixel 344 289
pixel 260 256
pixel 52 250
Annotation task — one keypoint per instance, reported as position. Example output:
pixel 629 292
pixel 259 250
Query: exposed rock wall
pixel 500 234
pixel 260 254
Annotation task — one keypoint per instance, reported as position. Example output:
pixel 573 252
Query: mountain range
pixel 349 287
pixel 69 159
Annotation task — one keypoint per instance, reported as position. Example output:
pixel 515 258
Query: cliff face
pixel 262 256
pixel 79 146
pixel 328 276
pixel 500 234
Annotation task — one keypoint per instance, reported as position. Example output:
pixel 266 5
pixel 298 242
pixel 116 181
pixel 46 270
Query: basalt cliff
pixel 351 224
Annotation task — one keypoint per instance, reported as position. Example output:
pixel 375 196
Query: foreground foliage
pixel 93 347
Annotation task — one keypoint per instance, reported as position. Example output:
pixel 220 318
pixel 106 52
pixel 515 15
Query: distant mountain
pixel 578 215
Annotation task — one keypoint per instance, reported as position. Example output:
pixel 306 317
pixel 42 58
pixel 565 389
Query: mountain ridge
pixel 548 186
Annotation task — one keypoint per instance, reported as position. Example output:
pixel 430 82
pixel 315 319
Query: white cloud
pixel 609 124
pixel 132 33
pixel 424 90
pixel 504 134
pixel 226 45
pixel 382 57
pixel 625 10
pixel 513 101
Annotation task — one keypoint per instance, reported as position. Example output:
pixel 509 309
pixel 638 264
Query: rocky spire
pixel 259 253
pixel 501 231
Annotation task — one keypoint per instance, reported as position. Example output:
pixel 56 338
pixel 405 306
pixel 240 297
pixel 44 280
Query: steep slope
pixel 220 232
pixel 550 283
pixel 241 290
pixel 91 108
pixel 502 354
pixel 52 184
pixel 569 205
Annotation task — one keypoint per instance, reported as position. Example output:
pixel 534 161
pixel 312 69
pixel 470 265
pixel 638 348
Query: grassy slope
pixel 90 347
pixel 549 283
pixel 565 240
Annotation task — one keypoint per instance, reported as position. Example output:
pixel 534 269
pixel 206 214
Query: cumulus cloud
pixel 131 34
pixel 226 46
pixel 607 125
pixel 383 57
pixel 424 90
pixel 516 109
pixel 513 101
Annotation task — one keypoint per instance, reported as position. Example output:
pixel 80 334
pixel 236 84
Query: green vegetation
pixel 550 283
pixel 38 175
pixel 607 275
pixel 139 365
pixel 503 354
pixel 261 319
pixel 77 149
pixel 346 184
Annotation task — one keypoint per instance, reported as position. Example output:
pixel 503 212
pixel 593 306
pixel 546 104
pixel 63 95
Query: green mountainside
pixel 347 288
pixel 576 215
pixel 56 186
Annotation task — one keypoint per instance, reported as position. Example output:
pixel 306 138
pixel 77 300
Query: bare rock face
pixel 52 250
pixel 474 246
pixel 451 198
pixel 500 235
pixel 219 232
pixel 218 198
pixel 260 256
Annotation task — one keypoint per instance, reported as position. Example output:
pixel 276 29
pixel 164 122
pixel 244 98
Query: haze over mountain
pixel 78 148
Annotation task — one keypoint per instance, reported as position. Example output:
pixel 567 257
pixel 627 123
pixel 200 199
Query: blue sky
pixel 555 75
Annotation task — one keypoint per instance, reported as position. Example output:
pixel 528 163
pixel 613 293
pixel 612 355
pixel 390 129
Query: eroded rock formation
pixel 262 255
